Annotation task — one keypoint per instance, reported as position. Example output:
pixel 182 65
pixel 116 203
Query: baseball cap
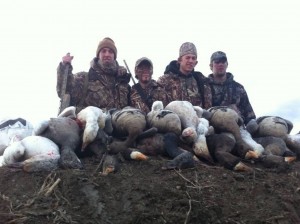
pixel 218 56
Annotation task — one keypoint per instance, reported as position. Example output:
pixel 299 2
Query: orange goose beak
pixel 251 155
pixel 242 167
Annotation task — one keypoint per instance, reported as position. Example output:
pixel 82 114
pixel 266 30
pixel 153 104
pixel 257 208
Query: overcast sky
pixel 261 41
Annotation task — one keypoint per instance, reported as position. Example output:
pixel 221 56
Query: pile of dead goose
pixel 184 134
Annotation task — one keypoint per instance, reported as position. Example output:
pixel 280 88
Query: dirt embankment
pixel 140 192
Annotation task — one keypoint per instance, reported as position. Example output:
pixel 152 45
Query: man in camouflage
pixel 180 80
pixel 225 91
pixel 147 90
pixel 106 85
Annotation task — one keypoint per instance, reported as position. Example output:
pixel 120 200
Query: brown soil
pixel 141 192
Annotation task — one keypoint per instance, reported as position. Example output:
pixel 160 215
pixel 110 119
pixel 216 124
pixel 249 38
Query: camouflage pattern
pixel 154 92
pixel 187 48
pixel 184 87
pixel 232 94
pixel 106 89
pixel 139 62
pixel 218 55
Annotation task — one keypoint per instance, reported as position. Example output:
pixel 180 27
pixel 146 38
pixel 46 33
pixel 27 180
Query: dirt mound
pixel 141 192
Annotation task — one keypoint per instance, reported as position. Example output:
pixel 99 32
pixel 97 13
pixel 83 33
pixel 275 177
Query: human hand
pixel 67 58
pixel 122 71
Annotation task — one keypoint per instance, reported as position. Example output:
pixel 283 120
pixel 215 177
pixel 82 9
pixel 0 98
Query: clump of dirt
pixel 141 192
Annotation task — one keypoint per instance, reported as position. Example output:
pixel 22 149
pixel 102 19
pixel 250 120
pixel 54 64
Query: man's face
pixel 219 67
pixel 187 63
pixel 143 72
pixel 106 56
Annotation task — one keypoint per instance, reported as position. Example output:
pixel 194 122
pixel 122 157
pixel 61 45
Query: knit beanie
pixel 143 60
pixel 187 48
pixel 109 43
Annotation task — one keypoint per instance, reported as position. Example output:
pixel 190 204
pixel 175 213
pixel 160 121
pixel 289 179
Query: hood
pixel 228 80
pixel 173 67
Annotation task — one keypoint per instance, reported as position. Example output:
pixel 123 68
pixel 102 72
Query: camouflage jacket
pixel 232 94
pixel 191 87
pixel 153 93
pixel 104 89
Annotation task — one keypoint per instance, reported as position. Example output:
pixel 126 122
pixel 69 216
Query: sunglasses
pixel 221 60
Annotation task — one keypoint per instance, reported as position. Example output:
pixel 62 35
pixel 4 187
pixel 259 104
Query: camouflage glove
pixel 123 76
pixel 122 71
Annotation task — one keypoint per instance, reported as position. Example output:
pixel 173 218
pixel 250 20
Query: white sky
pixel 261 41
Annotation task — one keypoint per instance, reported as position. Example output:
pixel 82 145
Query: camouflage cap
pixel 109 43
pixel 217 56
pixel 187 48
pixel 143 60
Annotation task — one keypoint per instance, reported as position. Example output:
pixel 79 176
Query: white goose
pixel 68 112
pixel 91 119
pixel 13 129
pixel 33 153
pixel 194 128
pixel 256 147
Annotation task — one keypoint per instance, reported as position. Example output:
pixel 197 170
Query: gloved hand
pixel 122 71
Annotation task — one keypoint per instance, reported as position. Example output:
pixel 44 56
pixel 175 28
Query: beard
pixel 144 78
pixel 109 68
pixel 107 64
pixel 220 75
pixel 145 81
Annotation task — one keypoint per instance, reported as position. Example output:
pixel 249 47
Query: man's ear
pixel 179 59
pixel 211 66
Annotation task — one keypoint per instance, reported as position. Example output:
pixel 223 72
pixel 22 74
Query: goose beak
pixel 242 167
pixel 290 159
pixel 138 156
pixel 107 171
pixel 251 155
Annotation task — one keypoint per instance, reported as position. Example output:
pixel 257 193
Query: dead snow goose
pixel 188 117
pixel 200 146
pixel 194 128
pixel 13 129
pixel 246 136
pixel 68 112
pixel 91 119
pixel 33 153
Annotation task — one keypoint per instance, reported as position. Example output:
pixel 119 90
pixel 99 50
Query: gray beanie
pixel 187 48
